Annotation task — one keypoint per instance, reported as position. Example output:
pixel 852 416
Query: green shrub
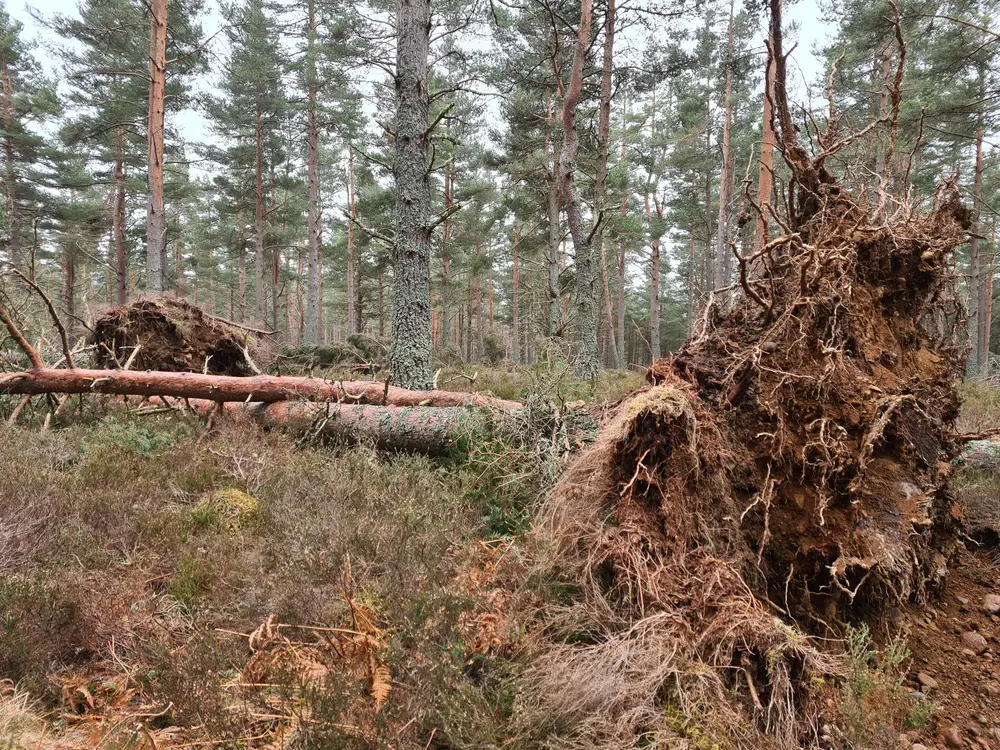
pixel 40 628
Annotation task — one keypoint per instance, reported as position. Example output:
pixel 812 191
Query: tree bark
pixel 723 262
pixel 587 364
pixel 978 299
pixel 554 236
pixel 262 388
pixel 654 277
pixel 410 354
pixel 312 228
pixel 623 213
pixel 515 299
pixel 13 211
pixel 449 186
pixel 118 223
pixel 258 226
pixel 352 210
pixel 433 432
pixel 765 181
pixel 600 179
pixel 156 219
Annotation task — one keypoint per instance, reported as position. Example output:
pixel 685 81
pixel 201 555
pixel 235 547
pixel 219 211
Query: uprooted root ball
pixel 784 473
pixel 171 334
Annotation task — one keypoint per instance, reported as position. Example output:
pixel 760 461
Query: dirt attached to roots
pixel 784 474
pixel 170 334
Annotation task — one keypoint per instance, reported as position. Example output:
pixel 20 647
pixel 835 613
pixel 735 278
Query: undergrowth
pixel 135 563
pixel 133 558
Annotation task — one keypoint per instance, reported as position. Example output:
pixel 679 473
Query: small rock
pixel 974 642
pixel 991 603
pixel 918 746
pixel 926 680
pixel 953 737
pixel 968 653
pixel 916 696
pixel 964 602
pixel 981 718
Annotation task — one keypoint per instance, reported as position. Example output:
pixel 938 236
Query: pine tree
pixel 248 115
pixel 29 102
pixel 410 359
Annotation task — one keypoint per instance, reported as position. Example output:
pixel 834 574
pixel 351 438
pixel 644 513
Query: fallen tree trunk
pixel 259 388
pixel 415 429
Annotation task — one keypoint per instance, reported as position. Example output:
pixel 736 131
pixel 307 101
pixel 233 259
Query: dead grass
pixel 154 554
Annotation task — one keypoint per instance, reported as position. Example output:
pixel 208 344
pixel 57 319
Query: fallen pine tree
pixel 434 431
pixel 393 418
pixel 222 388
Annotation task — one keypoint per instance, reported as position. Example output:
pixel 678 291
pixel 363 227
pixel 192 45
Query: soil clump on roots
pixel 782 476
pixel 170 334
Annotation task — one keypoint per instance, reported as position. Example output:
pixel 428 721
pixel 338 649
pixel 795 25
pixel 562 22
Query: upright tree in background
pixel 765 179
pixel 28 101
pixel 312 161
pixel 723 262
pixel 248 115
pixel 601 176
pixel 156 219
pixel 587 363
pixel 410 357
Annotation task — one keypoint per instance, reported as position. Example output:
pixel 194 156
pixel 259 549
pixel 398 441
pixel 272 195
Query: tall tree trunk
pixel 312 228
pixel 381 302
pixel 600 179
pixel 179 281
pixel 884 79
pixel 654 277
pixel 587 364
pixel 723 262
pixel 765 181
pixel 623 213
pixel 68 276
pixel 554 237
pixel 978 292
pixel 988 289
pixel 241 272
pixel 515 299
pixel 479 308
pixel 691 305
pixel 449 201
pixel 13 211
pixel 321 335
pixel 276 256
pixel 410 355
pixel 352 211
pixel 118 223
pixel 156 219
pixel 258 223
pixel 111 281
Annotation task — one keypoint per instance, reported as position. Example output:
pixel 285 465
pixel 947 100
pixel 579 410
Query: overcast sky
pixel 804 63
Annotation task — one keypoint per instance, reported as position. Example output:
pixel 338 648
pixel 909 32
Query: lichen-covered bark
pixel 587 363
pixel 312 141
pixel 410 357
pixel 433 432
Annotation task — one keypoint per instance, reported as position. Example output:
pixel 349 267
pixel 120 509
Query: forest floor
pixel 164 589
